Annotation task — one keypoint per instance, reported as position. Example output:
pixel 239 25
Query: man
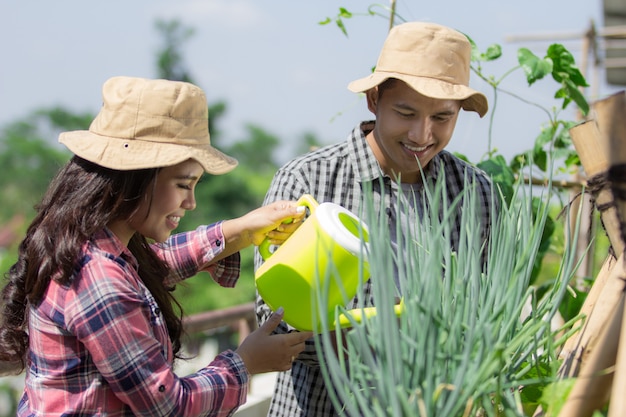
pixel 416 92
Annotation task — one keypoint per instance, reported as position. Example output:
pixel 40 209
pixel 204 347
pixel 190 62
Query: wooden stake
pixel 594 142
pixel 610 115
pixel 592 388
pixel 587 142
pixel 617 406
pixel 575 345
pixel 591 147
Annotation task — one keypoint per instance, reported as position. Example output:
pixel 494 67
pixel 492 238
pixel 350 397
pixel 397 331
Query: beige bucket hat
pixel 432 59
pixel 147 123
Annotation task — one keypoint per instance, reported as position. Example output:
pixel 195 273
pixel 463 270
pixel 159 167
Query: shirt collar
pixel 366 166
pixel 106 241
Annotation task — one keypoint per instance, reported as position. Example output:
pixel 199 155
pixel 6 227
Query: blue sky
pixel 271 61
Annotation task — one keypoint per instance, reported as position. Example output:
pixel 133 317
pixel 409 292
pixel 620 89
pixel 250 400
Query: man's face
pixel 409 127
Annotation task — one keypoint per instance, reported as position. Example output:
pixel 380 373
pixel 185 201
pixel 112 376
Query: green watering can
pixel 325 253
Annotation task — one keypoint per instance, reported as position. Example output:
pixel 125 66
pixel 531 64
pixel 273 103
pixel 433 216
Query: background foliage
pixel 30 156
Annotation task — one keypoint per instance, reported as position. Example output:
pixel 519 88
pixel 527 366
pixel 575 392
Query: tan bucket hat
pixel 432 59
pixel 147 123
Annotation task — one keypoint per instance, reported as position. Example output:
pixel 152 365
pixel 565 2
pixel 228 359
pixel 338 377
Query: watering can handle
pixel 359 314
pixel 306 200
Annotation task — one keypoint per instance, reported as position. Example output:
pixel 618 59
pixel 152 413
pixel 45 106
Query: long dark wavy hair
pixel 81 200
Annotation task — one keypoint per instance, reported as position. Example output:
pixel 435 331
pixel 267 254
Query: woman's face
pixel 164 204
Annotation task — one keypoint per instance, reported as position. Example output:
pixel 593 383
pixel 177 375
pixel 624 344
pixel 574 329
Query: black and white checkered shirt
pixel 339 173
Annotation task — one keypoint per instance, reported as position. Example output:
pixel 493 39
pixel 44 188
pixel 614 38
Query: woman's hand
pixel 263 351
pixel 277 221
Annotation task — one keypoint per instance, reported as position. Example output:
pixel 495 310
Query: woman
pixel 88 306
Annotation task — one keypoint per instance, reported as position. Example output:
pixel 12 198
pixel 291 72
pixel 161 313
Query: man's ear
pixel 372 99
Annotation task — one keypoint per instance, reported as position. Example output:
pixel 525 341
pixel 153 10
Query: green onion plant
pixel 461 346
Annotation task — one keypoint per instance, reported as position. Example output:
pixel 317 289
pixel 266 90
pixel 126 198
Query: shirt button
pixel 161 388
pixel 218 243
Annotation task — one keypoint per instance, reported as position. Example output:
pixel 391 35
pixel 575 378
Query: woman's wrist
pixel 235 235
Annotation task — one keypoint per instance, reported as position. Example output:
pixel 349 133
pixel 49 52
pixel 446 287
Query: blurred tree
pixel 308 143
pixel 223 196
pixel 29 160
pixel 170 63
pixel 30 157
pixel 258 150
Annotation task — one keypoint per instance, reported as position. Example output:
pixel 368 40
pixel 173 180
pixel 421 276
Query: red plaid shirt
pixel 99 346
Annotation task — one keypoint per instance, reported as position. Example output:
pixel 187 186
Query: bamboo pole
pixel 574 347
pixel 607 165
pixel 591 147
pixel 610 114
pixel 617 406
pixel 592 388
pixel 592 150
